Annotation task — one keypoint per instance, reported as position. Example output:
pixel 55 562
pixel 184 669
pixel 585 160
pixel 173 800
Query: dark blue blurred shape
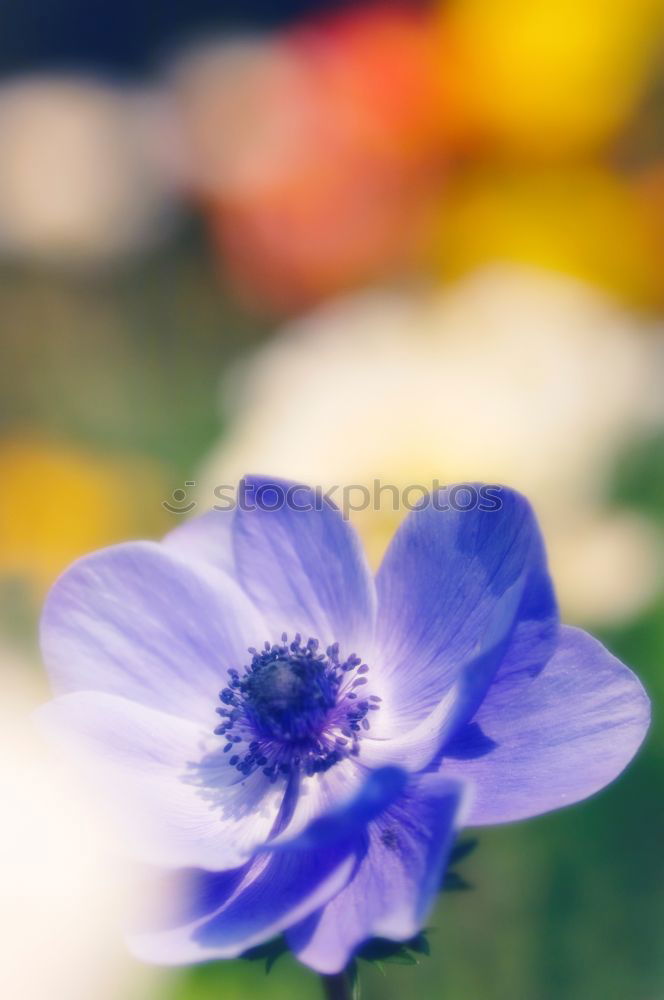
pixel 125 37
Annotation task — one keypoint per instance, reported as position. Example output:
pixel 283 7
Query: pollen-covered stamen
pixel 295 709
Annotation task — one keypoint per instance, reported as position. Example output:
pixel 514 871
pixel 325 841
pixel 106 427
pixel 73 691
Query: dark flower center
pixel 289 697
pixel 295 709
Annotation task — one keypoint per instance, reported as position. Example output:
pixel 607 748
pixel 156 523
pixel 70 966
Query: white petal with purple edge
pixel 219 916
pixel 174 794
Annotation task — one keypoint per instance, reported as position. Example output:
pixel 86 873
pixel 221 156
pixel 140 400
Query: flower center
pixel 295 709
pixel 289 697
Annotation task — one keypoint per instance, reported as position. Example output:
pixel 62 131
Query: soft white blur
pixel 64 895
pixel 246 110
pixel 511 376
pixel 86 169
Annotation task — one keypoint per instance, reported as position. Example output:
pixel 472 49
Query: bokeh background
pixel 338 242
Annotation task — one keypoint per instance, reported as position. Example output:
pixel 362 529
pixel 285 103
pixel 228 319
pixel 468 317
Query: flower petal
pixel 395 882
pixel 207 538
pixel 219 916
pixel 303 565
pixel 414 749
pixel 227 913
pixel 138 621
pixel 337 809
pixel 440 590
pixel 176 798
pixel 545 741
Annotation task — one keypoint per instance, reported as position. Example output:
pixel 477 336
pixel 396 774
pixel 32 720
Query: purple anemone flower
pixel 294 743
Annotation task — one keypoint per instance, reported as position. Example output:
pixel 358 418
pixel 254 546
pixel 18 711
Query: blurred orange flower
pixel 314 151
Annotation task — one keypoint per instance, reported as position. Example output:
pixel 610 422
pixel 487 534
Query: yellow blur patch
pixel 542 79
pixel 59 502
pixel 582 221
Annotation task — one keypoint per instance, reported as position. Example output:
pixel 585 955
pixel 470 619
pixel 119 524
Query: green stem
pixel 336 987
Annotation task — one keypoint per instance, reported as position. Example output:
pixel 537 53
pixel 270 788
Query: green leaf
pixel 453 882
pixel 272 958
pixel 380 951
pixel 420 944
pixel 462 849
pixel 269 952
pixel 403 957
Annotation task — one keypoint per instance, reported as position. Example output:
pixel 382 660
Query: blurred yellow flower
pixel 649 188
pixel 584 221
pixel 513 376
pixel 59 501
pixel 547 79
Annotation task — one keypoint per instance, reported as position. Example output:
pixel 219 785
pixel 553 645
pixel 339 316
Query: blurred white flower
pixel 511 376
pixel 247 110
pixel 84 169
pixel 63 893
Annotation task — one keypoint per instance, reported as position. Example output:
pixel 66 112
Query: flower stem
pixel 336 987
